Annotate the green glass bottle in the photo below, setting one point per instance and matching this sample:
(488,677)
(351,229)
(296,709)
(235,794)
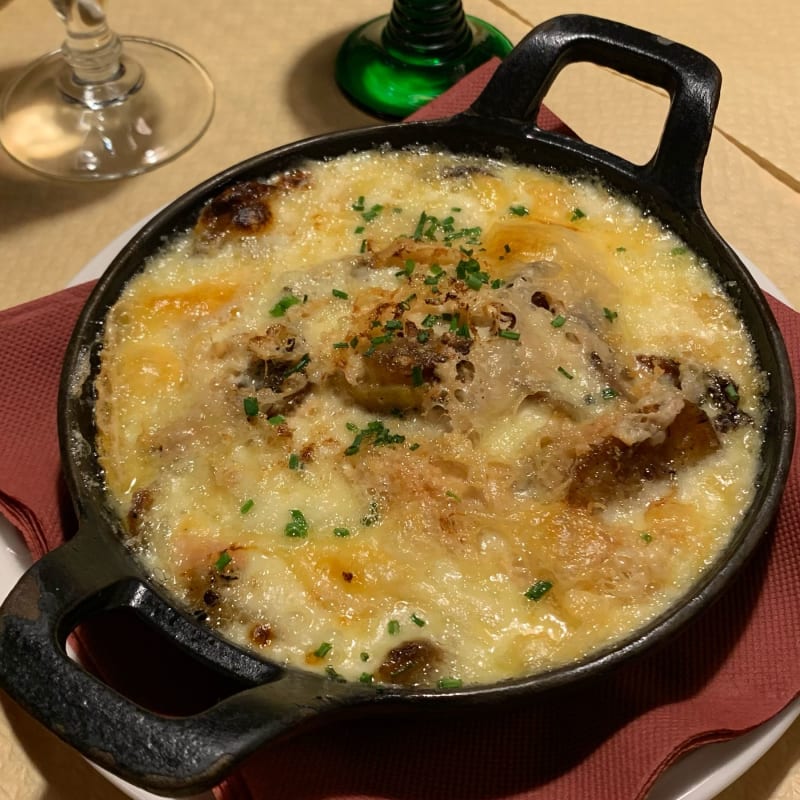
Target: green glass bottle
(394,64)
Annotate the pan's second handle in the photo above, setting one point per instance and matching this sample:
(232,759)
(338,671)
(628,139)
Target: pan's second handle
(175,755)
(693,82)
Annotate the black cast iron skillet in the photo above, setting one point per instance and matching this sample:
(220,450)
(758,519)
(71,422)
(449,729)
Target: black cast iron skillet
(93,572)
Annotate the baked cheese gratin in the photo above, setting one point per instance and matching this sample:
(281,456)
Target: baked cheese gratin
(410,417)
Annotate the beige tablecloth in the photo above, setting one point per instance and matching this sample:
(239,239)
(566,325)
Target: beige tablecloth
(271,63)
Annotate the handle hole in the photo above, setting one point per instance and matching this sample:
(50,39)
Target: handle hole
(610,110)
(144,665)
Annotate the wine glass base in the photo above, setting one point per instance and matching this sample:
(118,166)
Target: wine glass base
(160,116)
(386,86)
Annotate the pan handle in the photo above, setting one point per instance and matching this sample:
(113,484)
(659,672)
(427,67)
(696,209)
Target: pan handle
(175,755)
(692,80)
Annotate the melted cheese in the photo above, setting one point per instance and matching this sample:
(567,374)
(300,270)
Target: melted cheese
(502,418)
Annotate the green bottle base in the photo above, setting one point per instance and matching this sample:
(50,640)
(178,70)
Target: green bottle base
(390,87)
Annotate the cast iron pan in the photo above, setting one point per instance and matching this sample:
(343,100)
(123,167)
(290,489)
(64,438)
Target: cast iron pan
(93,572)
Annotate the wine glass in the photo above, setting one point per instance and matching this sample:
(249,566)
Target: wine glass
(104,106)
(392,65)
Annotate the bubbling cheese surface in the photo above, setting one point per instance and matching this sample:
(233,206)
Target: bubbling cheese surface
(420,418)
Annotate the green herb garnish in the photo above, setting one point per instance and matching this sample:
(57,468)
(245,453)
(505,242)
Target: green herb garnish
(449,683)
(340,294)
(538,590)
(566,374)
(297,528)
(294,461)
(418,621)
(286,302)
(250,405)
(609,314)
(304,361)
(223,561)
(278,419)
(341,532)
(393,628)
(576,215)
(504,333)
(323,650)
(558,321)
(246,506)
(518,211)
(376,433)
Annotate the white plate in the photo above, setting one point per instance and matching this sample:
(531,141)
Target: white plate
(701,775)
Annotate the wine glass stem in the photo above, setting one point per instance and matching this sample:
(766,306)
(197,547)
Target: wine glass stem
(426,30)
(91,48)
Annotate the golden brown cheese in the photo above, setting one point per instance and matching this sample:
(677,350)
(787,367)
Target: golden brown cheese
(413,417)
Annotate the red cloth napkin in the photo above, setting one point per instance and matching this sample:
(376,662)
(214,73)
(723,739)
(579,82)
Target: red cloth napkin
(732,669)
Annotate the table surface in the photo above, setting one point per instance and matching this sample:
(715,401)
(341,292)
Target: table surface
(272,68)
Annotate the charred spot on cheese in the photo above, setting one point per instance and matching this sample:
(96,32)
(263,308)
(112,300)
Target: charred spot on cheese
(243,209)
(403,380)
(141,503)
(411,663)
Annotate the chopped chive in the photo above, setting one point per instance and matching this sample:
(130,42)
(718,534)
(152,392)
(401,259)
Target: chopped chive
(246,506)
(609,314)
(679,251)
(294,461)
(278,419)
(364,655)
(393,628)
(609,393)
(286,302)
(393,325)
(341,345)
(449,683)
(404,305)
(507,334)
(297,528)
(304,361)
(497,283)
(565,373)
(430,320)
(341,532)
(359,204)
(621,249)
(558,321)
(223,561)
(340,294)
(334,675)
(474,281)
(732,394)
(538,590)
(418,621)
(416,376)
(576,215)
(423,336)
(365,677)
(359,229)
(250,405)
(518,211)
(363,247)
(323,650)
(646,536)
(372,212)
